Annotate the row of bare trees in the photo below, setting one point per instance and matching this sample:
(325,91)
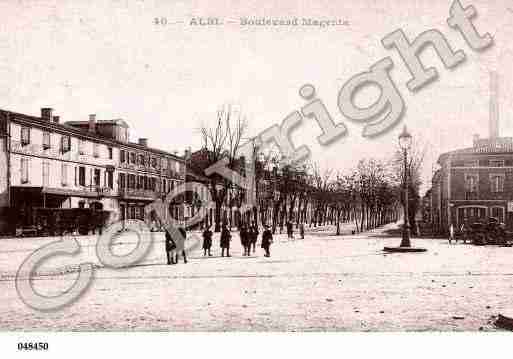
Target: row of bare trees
(370,195)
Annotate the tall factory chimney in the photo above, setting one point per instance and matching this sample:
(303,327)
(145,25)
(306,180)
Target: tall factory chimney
(494,105)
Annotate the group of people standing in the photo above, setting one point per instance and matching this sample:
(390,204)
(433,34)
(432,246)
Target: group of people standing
(248,238)
(174,247)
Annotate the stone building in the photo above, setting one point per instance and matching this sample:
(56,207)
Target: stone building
(474,183)
(80,164)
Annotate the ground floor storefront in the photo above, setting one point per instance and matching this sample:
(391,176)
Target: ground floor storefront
(481,211)
(48,211)
(458,212)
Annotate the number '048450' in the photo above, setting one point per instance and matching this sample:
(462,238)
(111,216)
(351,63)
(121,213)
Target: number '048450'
(33,346)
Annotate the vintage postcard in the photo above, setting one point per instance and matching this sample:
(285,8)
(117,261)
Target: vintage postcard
(256,166)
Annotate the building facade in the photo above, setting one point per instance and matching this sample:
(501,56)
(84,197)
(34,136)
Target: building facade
(473,184)
(80,164)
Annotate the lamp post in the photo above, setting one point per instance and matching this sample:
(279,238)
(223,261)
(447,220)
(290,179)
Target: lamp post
(405,144)
(405,141)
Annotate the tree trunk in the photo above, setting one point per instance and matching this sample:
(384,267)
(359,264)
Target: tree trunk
(217,217)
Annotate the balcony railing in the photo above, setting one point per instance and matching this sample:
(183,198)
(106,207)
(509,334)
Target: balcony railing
(138,193)
(147,168)
(87,191)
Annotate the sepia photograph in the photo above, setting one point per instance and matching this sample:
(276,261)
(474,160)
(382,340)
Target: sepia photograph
(255,167)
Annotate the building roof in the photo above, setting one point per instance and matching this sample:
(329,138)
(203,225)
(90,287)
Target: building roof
(118,122)
(69,129)
(497,146)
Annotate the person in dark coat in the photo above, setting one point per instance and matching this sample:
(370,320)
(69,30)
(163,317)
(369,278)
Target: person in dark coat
(267,239)
(226,237)
(302,230)
(289,230)
(170,248)
(244,239)
(180,245)
(253,237)
(207,241)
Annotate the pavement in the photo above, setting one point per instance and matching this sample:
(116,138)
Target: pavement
(321,283)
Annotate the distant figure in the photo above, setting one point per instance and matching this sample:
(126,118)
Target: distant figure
(170,248)
(290,230)
(180,245)
(226,237)
(463,231)
(302,230)
(267,239)
(207,241)
(244,240)
(451,233)
(253,237)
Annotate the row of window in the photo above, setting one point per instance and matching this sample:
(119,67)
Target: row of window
(132,181)
(131,212)
(146,160)
(137,212)
(66,170)
(496,182)
(128,157)
(477,163)
(65,145)
(472,213)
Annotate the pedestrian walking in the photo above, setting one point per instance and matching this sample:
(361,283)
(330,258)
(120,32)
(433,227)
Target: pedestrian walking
(170,248)
(290,231)
(267,239)
(302,230)
(180,245)
(207,241)
(226,237)
(451,233)
(244,239)
(253,237)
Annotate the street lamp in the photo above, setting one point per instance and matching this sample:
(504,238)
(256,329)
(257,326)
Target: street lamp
(405,144)
(405,141)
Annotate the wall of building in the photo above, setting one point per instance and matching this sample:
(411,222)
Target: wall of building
(4,186)
(62,167)
(450,193)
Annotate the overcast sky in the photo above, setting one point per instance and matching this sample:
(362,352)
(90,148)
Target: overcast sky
(113,60)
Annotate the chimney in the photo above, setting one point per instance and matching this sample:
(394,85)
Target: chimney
(475,139)
(46,114)
(494,105)
(143,142)
(56,119)
(92,123)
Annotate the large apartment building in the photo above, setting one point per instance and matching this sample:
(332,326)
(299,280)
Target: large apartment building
(474,183)
(80,164)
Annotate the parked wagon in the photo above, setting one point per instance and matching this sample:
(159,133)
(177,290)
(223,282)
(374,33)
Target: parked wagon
(490,233)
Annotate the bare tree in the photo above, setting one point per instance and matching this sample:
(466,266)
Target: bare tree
(321,183)
(222,141)
(416,155)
